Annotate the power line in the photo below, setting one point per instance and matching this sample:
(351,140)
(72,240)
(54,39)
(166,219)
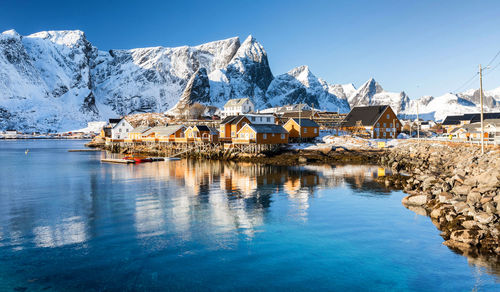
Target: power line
(498,53)
(466,83)
(492,69)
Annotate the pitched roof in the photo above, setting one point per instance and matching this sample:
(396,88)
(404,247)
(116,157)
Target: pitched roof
(202,128)
(296,114)
(213,131)
(140,129)
(477,117)
(233,119)
(495,122)
(305,122)
(268,129)
(236,101)
(451,120)
(164,130)
(114,121)
(368,115)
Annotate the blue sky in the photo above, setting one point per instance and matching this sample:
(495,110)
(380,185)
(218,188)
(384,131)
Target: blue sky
(421,47)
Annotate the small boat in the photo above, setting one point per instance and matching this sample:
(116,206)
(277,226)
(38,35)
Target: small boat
(138,159)
(171,158)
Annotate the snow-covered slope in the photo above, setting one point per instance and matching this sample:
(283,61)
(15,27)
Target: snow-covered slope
(371,93)
(299,85)
(58,81)
(45,80)
(437,108)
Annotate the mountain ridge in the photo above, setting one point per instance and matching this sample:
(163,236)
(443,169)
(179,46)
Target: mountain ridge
(57,80)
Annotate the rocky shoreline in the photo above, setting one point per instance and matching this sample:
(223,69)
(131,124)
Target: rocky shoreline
(456,186)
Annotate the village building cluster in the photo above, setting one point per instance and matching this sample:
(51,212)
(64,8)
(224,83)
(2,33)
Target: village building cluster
(239,123)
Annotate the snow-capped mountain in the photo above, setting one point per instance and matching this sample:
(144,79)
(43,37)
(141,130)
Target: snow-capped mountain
(57,81)
(299,85)
(371,93)
(437,108)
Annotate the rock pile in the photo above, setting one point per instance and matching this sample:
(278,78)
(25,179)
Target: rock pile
(457,187)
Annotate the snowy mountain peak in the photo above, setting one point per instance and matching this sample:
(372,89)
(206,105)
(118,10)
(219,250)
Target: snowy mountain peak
(11,32)
(303,75)
(69,38)
(371,93)
(251,49)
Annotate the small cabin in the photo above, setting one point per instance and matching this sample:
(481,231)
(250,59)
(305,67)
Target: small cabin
(121,129)
(261,134)
(166,133)
(231,125)
(377,122)
(302,128)
(238,106)
(136,133)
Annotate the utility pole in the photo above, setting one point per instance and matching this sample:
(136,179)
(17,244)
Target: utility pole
(394,128)
(418,125)
(300,122)
(481,101)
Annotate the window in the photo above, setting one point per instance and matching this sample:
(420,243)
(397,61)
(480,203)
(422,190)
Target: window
(315,130)
(120,130)
(264,136)
(253,119)
(388,117)
(378,125)
(305,130)
(397,125)
(233,133)
(384,125)
(268,119)
(384,134)
(282,136)
(126,130)
(251,136)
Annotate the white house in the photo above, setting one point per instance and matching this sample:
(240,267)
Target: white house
(121,129)
(267,119)
(238,106)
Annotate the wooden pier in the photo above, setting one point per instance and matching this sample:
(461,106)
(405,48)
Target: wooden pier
(85,150)
(121,161)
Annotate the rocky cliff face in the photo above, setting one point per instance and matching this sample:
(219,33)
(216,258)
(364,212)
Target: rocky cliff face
(371,93)
(299,85)
(57,80)
(197,90)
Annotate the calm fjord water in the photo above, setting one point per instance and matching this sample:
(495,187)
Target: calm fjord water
(70,223)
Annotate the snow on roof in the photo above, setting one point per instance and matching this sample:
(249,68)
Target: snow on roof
(236,101)
(164,130)
(140,129)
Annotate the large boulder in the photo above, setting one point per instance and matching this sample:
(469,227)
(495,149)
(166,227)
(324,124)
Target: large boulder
(471,237)
(417,200)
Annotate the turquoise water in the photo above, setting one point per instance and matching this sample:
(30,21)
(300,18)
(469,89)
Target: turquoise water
(70,223)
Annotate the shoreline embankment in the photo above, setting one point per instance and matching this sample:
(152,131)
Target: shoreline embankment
(456,186)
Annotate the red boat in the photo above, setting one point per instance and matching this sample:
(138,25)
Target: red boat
(138,159)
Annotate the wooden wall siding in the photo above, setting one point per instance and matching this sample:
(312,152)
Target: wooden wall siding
(307,132)
(225,131)
(387,129)
(247,135)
